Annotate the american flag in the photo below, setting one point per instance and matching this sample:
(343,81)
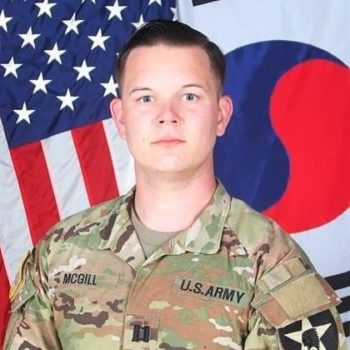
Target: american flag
(59,150)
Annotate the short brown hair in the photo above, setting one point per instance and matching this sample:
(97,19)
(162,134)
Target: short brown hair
(176,34)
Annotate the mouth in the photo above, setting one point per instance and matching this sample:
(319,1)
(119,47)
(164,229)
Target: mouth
(168,142)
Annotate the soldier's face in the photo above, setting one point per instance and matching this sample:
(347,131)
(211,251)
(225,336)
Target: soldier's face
(171,111)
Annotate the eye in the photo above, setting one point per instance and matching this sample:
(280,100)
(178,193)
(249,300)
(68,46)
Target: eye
(146,99)
(190,97)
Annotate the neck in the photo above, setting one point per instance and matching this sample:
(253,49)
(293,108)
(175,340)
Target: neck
(169,204)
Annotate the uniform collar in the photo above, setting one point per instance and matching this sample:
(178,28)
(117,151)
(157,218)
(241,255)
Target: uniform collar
(205,233)
(118,234)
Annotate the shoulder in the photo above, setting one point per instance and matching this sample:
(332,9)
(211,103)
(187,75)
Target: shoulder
(93,215)
(80,224)
(85,229)
(287,286)
(256,231)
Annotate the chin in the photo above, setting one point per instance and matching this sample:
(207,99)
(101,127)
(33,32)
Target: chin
(166,169)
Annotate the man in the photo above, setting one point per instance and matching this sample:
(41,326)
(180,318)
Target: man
(176,263)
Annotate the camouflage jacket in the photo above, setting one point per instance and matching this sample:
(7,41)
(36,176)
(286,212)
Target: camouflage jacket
(233,280)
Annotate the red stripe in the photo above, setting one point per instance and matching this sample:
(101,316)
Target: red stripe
(35,186)
(96,163)
(4,301)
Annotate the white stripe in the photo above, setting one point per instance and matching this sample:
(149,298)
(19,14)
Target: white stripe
(235,23)
(65,174)
(345,316)
(328,246)
(123,162)
(344,292)
(15,238)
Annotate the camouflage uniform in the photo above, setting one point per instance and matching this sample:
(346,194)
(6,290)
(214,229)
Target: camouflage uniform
(233,280)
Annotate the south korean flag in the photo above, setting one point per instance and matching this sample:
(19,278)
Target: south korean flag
(286,149)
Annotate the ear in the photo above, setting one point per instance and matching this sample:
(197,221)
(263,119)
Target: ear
(116,108)
(225,112)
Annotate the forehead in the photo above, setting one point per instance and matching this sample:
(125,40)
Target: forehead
(164,61)
(162,52)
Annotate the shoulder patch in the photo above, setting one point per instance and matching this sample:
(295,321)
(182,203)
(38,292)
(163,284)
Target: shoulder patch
(291,292)
(301,296)
(315,332)
(19,280)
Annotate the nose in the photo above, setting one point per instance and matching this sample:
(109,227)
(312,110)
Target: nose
(168,114)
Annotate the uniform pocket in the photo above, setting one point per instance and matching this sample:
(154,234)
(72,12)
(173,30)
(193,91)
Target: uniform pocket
(89,309)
